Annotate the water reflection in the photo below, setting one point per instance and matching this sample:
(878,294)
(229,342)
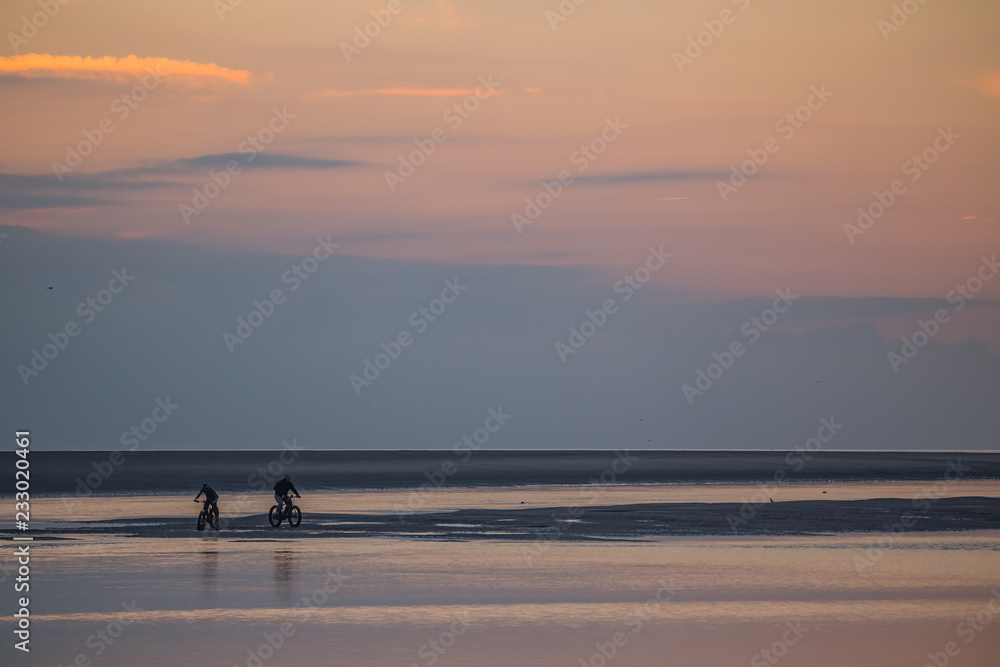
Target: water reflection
(209,570)
(284,574)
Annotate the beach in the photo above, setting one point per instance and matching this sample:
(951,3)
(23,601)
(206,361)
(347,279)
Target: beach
(576,495)
(870,559)
(643,584)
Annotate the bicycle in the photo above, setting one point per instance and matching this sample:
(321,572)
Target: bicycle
(208,516)
(292,514)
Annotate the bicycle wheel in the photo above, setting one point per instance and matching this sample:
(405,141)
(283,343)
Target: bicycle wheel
(213,521)
(294,516)
(201,520)
(274,516)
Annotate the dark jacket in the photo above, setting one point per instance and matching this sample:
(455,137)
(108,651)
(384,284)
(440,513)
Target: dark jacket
(282,488)
(210,495)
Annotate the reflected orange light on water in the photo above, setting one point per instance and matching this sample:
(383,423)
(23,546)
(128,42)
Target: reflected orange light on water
(683,601)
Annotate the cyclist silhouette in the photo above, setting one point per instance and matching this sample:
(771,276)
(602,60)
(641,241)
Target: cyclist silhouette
(211,500)
(281,490)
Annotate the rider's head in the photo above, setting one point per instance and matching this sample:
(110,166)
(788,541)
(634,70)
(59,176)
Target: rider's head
(205,485)
(288,478)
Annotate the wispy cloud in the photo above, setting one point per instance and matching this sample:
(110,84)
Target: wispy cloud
(861,308)
(260,161)
(104,180)
(41,191)
(654,176)
(17,201)
(109,67)
(418,92)
(32,191)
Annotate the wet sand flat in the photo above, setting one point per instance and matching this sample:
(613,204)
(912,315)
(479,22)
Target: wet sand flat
(615,522)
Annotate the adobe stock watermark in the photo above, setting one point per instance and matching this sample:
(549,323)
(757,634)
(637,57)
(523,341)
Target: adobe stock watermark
(630,283)
(31,25)
(223,7)
(927,329)
(121,107)
(88,310)
(463,449)
(898,17)
(786,126)
(922,502)
(562,12)
(262,310)
(915,168)
(779,649)
(581,158)
(752,329)
(420,320)
(454,116)
(437,646)
(302,610)
(633,622)
(363,35)
(104,637)
(796,459)
(262,479)
(714,28)
(590,493)
(968,630)
(220,180)
(131,439)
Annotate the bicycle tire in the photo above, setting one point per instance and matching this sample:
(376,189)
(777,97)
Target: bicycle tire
(294,516)
(274,516)
(201,520)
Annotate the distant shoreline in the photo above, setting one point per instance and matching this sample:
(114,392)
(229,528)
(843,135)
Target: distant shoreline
(157,472)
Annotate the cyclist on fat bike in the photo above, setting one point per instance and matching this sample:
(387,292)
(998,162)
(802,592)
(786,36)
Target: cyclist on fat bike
(281,490)
(211,500)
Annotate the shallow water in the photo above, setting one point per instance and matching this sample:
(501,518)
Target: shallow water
(453,498)
(209,600)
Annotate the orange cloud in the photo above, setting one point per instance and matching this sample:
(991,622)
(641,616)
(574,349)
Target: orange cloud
(430,92)
(989,86)
(445,15)
(446,11)
(86,67)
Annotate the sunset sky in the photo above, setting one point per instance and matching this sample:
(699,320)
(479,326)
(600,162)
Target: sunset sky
(645,108)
